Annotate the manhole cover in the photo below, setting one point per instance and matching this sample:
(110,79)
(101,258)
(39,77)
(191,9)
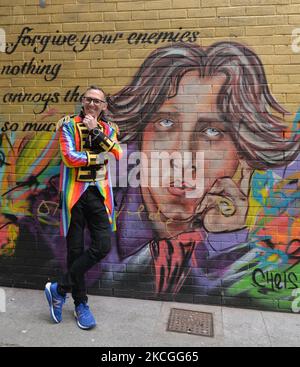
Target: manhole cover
(191,322)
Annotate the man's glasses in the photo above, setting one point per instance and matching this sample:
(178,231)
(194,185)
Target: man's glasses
(89,100)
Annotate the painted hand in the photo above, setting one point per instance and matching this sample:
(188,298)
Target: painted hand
(225,206)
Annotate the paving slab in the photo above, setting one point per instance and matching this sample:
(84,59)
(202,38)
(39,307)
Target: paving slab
(283,328)
(243,328)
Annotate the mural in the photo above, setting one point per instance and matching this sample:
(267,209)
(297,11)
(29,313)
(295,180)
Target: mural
(234,241)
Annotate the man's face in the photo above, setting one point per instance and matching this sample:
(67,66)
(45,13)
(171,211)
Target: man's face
(94,103)
(188,122)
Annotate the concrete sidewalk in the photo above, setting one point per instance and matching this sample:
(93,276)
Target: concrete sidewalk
(137,323)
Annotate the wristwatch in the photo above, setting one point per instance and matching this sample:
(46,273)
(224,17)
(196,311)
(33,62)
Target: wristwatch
(96,131)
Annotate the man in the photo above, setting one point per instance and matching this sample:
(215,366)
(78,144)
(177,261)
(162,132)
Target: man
(86,198)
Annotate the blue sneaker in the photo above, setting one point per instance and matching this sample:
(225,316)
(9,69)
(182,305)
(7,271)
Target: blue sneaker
(84,317)
(56,302)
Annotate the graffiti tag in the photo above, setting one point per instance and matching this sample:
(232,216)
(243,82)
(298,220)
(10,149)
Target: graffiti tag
(275,281)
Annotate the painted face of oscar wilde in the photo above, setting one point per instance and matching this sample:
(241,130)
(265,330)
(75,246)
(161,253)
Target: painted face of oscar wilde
(188,122)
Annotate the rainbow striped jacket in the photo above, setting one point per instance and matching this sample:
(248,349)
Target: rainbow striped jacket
(72,158)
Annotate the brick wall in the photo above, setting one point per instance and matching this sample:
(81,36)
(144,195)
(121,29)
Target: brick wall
(237,241)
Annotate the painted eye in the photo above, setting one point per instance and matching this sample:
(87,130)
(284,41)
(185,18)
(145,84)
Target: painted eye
(212,132)
(166,123)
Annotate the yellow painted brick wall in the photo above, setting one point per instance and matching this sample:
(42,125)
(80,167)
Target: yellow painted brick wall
(265,26)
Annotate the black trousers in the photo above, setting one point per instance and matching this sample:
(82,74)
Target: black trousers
(89,210)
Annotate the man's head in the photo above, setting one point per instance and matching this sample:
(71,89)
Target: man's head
(94,101)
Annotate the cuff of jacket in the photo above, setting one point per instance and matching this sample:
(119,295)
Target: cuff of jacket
(107,145)
(92,159)
(102,140)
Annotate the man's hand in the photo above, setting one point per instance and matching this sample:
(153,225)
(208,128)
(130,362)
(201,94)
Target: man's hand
(90,122)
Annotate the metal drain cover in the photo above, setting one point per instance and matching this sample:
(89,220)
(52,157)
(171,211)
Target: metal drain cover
(191,322)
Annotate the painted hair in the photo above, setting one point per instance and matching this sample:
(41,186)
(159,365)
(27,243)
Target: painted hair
(95,87)
(245,103)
